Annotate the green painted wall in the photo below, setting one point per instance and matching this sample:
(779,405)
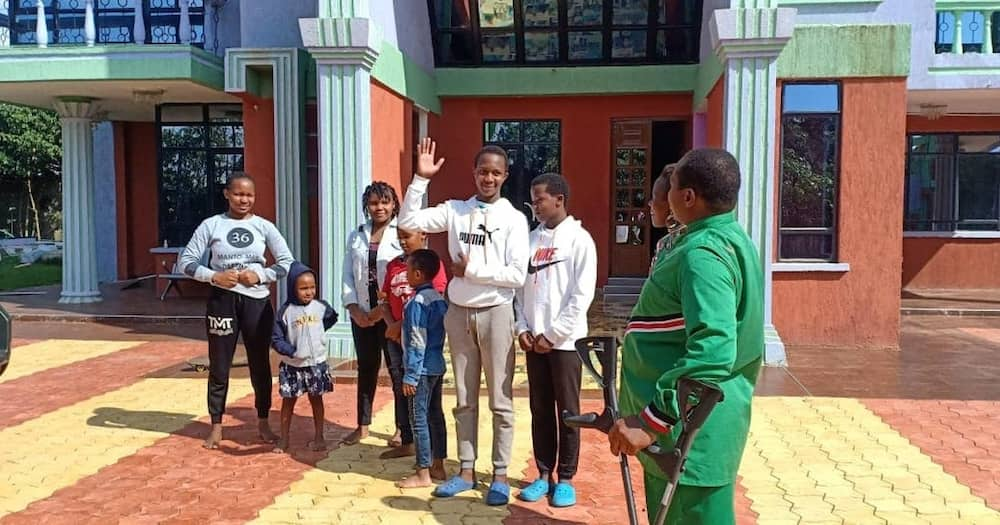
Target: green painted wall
(113,62)
(536,81)
(404,76)
(828,51)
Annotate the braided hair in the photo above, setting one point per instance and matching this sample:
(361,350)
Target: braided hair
(382,190)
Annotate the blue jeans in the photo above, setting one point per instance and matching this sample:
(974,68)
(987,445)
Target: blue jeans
(427,421)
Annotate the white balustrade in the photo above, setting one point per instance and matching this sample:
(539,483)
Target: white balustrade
(89,29)
(184,27)
(139,25)
(41,27)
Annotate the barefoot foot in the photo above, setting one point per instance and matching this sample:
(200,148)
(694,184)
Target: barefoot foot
(395,441)
(399,452)
(415,481)
(214,437)
(356,436)
(438,473)
(281,447)
(317,445)
(265,433)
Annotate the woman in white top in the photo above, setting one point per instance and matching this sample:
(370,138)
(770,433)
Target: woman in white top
(370,248)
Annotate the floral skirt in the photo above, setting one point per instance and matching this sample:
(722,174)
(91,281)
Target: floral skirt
(294,381)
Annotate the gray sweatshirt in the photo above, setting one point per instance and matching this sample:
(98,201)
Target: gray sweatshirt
(237,244)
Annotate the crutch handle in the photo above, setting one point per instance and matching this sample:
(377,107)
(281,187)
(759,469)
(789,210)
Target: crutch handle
(603,421)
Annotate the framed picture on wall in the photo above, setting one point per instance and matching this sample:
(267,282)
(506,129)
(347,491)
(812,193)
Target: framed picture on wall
(628,44)
(585,12)
(541,13)
(630,12)
(541,46)
(499,47)
(585,45)
(496,13)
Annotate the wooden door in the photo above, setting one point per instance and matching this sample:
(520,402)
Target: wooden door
(630,193)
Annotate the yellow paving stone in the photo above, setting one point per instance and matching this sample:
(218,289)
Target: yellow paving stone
(354,482)
(901,518)
(38,459)
(36,357)
(777,515)
(839,450)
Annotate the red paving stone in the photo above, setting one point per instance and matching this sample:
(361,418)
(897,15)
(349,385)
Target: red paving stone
(961,436)
(31,396)
(175,481)
(17,341)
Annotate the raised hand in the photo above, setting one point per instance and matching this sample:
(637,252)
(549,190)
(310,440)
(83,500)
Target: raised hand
(426,166)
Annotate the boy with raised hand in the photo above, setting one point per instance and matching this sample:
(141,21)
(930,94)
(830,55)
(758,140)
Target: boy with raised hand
(488,244)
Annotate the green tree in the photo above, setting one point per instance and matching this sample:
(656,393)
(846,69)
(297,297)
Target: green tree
(30,151)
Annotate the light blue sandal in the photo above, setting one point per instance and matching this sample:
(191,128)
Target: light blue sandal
(564,495)
(452,487)
(534,492)
(499,494)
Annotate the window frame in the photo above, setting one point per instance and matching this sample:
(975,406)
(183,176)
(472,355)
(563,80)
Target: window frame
(954,155)
(205,147)
(607,29)
(521,143)
(834,229)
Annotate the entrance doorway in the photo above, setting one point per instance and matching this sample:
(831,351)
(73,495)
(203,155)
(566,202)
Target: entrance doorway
(640,150)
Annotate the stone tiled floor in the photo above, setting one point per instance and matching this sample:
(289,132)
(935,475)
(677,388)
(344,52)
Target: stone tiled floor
(102,425)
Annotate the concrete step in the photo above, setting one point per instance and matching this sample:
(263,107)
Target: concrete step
(613,290)
(626,281)
(622,298)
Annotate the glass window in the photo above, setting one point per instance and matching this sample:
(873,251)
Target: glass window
(539,32)
(200,147)
(810,148)
(533,147)
(952,182)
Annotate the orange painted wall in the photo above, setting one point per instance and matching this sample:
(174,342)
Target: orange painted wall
(258,151)
(136,179)
(930,263)
(860,307)
(586,147)
(714,132)
(392,148)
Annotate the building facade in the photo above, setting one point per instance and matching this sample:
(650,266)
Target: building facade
(868,131)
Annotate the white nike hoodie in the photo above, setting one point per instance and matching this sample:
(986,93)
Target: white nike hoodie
(493,236)
(562,276)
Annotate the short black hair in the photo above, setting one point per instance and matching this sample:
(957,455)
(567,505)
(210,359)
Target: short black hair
(425,261)
(382,190)
(491,149)
(238,175)
(555,185)
(665,175)
(714,174)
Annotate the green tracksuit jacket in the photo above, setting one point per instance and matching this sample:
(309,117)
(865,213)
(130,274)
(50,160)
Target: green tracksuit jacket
(701,315)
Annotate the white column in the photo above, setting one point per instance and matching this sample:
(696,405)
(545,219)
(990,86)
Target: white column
(79,272)
(345,51)
(41,26)
(748,42)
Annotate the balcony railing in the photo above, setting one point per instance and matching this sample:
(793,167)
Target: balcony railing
(89,22)
(967,26)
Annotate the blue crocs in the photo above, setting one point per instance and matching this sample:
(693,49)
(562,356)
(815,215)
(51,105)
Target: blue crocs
(453,486)
(499,494)
(534,492)
(564,495)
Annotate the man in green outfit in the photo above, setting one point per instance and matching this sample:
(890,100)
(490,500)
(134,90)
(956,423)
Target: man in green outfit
(700,315)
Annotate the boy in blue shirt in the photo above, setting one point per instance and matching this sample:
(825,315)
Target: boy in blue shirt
(423,359)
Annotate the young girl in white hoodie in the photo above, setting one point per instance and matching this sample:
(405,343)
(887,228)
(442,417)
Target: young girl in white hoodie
(551,312)
(488,244)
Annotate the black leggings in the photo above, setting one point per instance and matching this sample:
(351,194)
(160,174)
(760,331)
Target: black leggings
(369,344)
(228,315)
(554,386)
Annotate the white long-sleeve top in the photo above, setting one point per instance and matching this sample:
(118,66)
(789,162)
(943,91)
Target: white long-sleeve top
(354,284)
(237,244)
(494,236)
(562,276)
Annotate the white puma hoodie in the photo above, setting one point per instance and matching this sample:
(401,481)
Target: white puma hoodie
(493,236)
(562,276)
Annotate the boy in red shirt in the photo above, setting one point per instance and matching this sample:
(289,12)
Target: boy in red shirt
(396,291)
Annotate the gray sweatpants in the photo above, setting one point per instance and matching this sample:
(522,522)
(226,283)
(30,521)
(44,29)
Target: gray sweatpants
(483,339)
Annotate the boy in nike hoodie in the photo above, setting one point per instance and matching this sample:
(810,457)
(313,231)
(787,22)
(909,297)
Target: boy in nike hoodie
(488,243)
(551,312)
(298,339)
